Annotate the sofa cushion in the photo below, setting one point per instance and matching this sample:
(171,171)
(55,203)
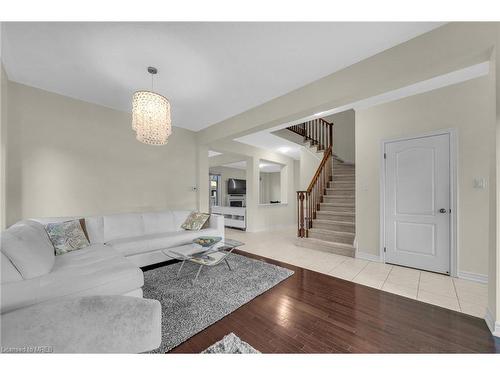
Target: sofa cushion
(29,249)
(95,229)
(49,220)
(67,236)
(9,273)
(122,226)
(159,222)
(158,241)
(95,270)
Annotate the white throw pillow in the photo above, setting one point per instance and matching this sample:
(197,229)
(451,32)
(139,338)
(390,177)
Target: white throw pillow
(29,249)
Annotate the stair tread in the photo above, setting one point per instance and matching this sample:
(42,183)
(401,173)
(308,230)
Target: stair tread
(340,213)
(332,232)
(338,204)
(333,190)
(325,221)
(339,196)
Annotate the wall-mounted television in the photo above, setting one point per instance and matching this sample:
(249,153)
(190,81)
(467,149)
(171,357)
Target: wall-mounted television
(235,186)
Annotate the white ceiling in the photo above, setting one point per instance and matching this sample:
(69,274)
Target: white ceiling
(266,140)
(210,71)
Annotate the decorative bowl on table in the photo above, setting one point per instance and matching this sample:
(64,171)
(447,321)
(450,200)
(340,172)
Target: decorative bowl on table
(207,241)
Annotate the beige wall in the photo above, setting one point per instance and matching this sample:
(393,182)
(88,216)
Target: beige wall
(344,135)
(270,187)
(68,157)
(227,173)
(463,107)
(3,143)
(309,162)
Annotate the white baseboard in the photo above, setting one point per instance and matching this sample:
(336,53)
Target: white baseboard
(477,277)
(367,256)
(493,325)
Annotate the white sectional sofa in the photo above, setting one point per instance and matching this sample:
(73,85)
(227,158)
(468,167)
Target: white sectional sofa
(119,245)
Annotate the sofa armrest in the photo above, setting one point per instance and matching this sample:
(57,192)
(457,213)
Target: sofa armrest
(217,223)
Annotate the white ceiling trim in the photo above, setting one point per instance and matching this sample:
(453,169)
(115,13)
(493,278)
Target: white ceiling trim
(264,166)
(237,165)
(212,153)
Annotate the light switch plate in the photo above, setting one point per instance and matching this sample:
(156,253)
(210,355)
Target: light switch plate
(479,183)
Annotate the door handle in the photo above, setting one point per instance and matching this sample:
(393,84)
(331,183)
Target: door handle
(442,210)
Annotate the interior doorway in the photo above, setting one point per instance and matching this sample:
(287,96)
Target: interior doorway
(215,193)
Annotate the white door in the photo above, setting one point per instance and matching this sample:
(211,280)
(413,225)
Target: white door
(417,203)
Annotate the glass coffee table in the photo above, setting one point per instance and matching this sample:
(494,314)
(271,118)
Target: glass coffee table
(204,256)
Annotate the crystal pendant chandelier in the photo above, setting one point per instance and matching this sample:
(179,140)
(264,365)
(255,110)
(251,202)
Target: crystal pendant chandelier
(151,115)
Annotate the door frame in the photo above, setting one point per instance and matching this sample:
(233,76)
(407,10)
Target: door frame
(453,134)
(219,188)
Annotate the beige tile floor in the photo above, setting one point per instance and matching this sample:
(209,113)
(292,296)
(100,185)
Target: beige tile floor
(456,294)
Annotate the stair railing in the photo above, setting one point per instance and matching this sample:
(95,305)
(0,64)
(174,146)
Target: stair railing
(308,201)
(318,131)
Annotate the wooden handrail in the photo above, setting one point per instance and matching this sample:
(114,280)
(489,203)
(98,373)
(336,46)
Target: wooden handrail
(320,133)
(325,122)
(326,156)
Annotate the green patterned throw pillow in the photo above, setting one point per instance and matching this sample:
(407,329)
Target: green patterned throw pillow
(67,236)
(195,221)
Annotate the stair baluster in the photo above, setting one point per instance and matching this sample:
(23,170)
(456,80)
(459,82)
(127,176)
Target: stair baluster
(320,134)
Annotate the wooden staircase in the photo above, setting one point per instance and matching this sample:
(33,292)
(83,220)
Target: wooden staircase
(326,210)
(333,229)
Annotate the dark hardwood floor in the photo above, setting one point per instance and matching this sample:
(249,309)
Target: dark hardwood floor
(315,313)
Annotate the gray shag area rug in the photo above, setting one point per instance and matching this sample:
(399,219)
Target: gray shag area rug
(188,308)
(231,344)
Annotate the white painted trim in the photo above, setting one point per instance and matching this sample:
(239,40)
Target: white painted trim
(368,256)
(493,325)
(453,134)
(477,277)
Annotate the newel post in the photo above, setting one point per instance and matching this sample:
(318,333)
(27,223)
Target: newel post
(300,214)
